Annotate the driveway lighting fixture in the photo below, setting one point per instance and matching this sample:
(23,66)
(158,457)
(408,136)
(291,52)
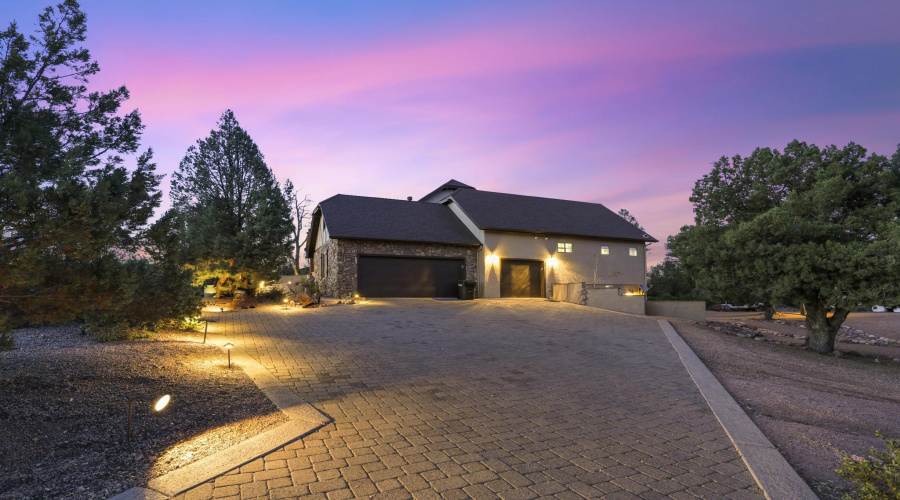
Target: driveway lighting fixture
(205,329)
(228,348)
(158,405)
(284,304)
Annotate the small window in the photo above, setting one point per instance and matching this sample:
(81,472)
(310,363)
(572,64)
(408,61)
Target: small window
(632,252)
(604,250)
(564,247)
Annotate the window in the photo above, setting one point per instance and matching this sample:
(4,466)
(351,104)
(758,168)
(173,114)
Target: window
(604,250)
(632,252)
(564,247)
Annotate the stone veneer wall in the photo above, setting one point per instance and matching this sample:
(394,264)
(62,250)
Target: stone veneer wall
(340,280)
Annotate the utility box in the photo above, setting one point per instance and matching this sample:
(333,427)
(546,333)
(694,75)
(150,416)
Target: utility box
(467,289)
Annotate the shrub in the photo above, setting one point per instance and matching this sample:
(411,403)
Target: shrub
(876,477)
(272,294)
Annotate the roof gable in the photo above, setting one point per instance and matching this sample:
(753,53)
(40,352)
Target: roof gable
(532,214)
(444,190)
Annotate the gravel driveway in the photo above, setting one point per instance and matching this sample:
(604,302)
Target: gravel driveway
(480,399)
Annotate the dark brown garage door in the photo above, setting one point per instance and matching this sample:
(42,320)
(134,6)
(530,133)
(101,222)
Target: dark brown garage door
(521,278)
(409,277)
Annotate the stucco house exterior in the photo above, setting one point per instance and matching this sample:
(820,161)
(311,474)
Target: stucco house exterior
(511,245)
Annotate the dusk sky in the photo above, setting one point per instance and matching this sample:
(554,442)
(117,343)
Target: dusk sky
(621,103)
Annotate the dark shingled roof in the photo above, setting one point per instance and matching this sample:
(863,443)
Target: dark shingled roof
(530,214)
(364,218)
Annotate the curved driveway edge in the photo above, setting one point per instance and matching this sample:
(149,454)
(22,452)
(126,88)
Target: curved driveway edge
(304,419)
(774,475)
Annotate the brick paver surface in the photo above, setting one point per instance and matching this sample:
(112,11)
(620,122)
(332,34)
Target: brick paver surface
(482,399)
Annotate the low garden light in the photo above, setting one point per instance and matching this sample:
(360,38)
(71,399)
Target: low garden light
(205,329)
(355,295)
(284,304)
(228,348)
(159,404)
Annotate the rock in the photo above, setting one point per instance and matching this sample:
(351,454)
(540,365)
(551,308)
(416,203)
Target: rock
(838,354)
(304,299)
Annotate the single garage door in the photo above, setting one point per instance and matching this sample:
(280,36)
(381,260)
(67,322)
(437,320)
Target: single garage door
(521,278)
(409,276)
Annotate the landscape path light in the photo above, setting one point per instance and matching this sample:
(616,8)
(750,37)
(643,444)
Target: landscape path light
(228,348)
(284,304)
(158,405)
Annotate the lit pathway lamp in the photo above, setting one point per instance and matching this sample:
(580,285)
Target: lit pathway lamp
(284,305)
(205,329)
(158,405)
(228,348)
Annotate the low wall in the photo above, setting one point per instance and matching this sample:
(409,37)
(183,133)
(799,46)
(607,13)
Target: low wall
(601,298)
(687,309)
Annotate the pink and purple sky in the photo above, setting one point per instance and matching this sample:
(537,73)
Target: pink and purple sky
(621,103)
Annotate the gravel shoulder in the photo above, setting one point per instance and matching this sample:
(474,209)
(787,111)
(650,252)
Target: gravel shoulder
(64,409)
(814,408)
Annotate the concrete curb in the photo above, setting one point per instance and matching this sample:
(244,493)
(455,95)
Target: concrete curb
(304,419)
(778,480)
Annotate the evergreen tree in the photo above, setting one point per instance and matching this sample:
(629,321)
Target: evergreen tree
(810,226)
(236,221)
(70,210)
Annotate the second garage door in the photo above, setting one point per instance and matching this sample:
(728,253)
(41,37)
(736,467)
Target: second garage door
(409,276)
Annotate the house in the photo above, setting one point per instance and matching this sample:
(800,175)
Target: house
(511,245)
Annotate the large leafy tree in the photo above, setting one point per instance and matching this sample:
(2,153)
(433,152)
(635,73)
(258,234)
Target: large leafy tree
(235,219)
(70,211)
(818,227)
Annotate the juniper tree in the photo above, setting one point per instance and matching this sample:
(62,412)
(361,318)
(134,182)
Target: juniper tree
(236,221)
(70,210)
(810,226)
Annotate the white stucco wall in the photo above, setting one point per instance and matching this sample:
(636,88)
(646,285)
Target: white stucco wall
(579,265)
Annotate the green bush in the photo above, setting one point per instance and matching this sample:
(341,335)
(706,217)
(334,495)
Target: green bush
(876,477)
(272,294)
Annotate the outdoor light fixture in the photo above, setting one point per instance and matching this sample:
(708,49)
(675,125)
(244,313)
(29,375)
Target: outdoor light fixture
(552,261)
(158,405)
(284,304)
(355,295)
(205,329)
(494,259)
(228,348)
(262,284)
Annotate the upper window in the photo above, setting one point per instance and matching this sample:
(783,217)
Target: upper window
(632,252)
(604,250)
(564,247)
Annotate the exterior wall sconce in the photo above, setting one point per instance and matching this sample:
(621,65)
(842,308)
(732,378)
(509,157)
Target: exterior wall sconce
(228,347)
(493,259)
(552,261)
(158,405)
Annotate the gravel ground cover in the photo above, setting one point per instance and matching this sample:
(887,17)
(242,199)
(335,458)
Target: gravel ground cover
(814,408)
(64,409)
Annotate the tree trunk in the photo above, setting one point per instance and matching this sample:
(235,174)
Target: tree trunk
(822,329)
(769,310)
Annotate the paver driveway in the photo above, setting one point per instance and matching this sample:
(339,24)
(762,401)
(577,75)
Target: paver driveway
(483,399)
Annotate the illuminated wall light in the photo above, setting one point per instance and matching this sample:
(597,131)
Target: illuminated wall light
(552,261)
(493,259)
